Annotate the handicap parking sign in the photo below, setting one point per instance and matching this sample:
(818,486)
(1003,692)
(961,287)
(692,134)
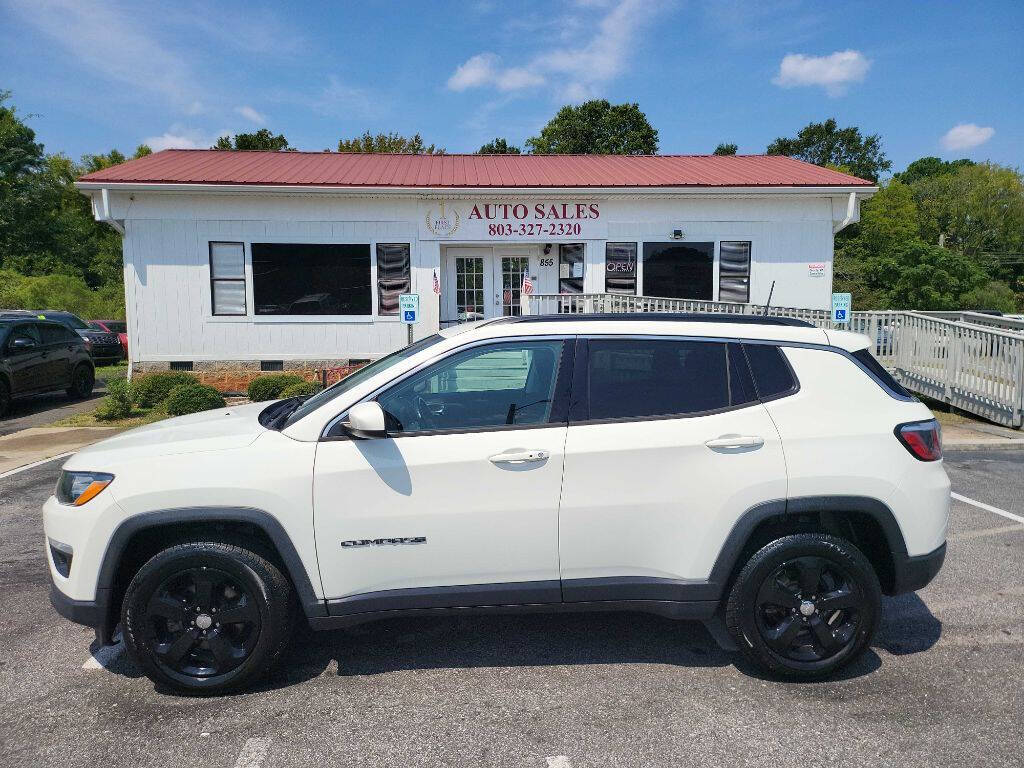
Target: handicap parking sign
(841,303)
(409,308)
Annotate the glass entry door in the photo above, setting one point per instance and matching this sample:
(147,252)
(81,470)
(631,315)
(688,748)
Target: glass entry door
(482,283)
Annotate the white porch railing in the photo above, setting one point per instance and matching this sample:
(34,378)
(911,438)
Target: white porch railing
(966,360)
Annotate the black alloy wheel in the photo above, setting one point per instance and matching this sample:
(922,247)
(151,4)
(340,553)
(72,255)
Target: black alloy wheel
(82,382)
(201,623)
(5,399)
(207,617)
(804,606)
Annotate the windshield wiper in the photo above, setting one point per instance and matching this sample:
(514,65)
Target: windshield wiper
(288,407)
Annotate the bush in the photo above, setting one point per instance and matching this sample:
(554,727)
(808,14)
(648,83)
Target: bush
(301,389)
(153,388)
(192,398)
(271,387)
(118,402)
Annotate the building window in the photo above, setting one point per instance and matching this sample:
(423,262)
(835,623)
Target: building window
(679,270)
(393,276)
(620,268)
(570,268)
(227,278)
(734,271)
(311,279)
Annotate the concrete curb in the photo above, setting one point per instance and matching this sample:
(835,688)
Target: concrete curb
(1009,445)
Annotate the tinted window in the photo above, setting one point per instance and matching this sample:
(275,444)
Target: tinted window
(311,279)
(23,332)
(679,270)
(772,375)
(868,361)
(393,276)
(55,334)
(630,378)
(496,385)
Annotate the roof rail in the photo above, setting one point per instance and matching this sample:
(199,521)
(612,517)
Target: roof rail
(656,317)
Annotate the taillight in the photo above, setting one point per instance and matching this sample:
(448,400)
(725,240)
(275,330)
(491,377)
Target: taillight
(922,438)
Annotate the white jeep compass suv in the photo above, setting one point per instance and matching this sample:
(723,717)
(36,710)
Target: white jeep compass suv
(684,465)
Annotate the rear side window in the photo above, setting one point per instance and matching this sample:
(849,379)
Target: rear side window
(868,360)
(637,378)
(772,375)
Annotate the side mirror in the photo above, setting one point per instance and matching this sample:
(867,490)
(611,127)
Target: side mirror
(22,343)
(365,421)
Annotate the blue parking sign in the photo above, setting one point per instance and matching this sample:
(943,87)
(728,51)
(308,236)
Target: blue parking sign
(841,304)
(409,308)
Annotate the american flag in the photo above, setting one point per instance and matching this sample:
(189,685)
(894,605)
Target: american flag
(437,284)
(527,284)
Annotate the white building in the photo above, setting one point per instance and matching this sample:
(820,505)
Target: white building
(241,261)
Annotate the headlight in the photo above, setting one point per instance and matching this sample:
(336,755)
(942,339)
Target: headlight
(76,488)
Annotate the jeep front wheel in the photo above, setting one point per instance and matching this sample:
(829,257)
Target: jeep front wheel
(206,617)
(804,606)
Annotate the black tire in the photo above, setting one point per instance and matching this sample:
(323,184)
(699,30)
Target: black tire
(777,611)
(170,620)
(83,379)
(5,398)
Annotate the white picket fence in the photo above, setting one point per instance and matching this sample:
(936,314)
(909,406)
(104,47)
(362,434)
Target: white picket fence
(973,361)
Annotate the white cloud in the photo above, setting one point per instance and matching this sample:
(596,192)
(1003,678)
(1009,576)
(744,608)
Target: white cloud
(578,72)
(966,136)
(834,72)
(181,137)
(251,114)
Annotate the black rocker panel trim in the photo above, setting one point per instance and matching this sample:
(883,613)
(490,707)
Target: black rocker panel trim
(461,596)
(635,588)
(266,522)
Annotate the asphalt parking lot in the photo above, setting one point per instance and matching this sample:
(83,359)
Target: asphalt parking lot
(943,684)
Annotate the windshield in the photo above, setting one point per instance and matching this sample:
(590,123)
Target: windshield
(357,377)
(70,320)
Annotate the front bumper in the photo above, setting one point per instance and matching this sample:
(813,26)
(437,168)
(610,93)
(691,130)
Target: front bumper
(107,352)
(911,573)
(91,613)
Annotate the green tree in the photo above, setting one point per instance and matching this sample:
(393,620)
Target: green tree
(992,295)
(929,167)
(928,277)
(726,149)
(93,163)
(827,144)
(393,143)
(262,139)
(596,128)
(498,147)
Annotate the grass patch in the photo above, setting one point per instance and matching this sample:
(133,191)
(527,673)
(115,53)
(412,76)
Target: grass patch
(108,372)
(136,418)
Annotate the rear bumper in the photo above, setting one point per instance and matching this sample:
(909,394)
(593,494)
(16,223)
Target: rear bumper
(91,613)
(913,573)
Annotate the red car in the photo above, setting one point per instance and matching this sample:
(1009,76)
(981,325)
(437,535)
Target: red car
(120,327)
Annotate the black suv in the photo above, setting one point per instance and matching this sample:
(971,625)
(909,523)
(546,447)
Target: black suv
(105,346)
(39,356)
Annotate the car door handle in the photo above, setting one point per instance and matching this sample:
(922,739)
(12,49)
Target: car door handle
(520,457)
(735,441)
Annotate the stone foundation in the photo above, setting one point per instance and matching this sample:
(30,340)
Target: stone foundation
(234,376)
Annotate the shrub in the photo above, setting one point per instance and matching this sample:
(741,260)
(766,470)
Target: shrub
(192,398)
(301,389)
(153,388)
(271,387)
(118,402)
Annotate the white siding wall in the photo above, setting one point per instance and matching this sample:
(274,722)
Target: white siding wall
(167,263)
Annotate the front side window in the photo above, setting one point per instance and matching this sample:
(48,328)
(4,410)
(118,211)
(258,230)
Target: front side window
(227,278)
(311,279)
(734,271)
(55,334)
(679,270)
(492,386)
(637,378)
(393,276)
(24,333)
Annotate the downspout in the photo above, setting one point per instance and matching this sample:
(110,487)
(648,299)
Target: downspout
(105,216)
(851,212)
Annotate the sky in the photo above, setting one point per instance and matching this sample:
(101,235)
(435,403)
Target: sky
(931,77)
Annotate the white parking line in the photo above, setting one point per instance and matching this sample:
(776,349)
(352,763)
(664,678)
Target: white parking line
(34,464)
(988,508)
(559,761)
(253,753)
(104,657)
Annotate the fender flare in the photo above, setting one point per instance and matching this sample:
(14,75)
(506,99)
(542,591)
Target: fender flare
(741,532)
(296,570)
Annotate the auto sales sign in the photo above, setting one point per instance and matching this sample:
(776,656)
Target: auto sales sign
(512,220)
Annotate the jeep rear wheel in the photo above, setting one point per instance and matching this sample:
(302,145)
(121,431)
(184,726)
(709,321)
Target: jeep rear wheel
(804,606)
(206,617)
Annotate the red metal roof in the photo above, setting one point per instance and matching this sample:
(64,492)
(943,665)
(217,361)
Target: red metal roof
(205,166)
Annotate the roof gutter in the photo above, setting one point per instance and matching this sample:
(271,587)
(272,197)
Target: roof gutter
(102,213)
